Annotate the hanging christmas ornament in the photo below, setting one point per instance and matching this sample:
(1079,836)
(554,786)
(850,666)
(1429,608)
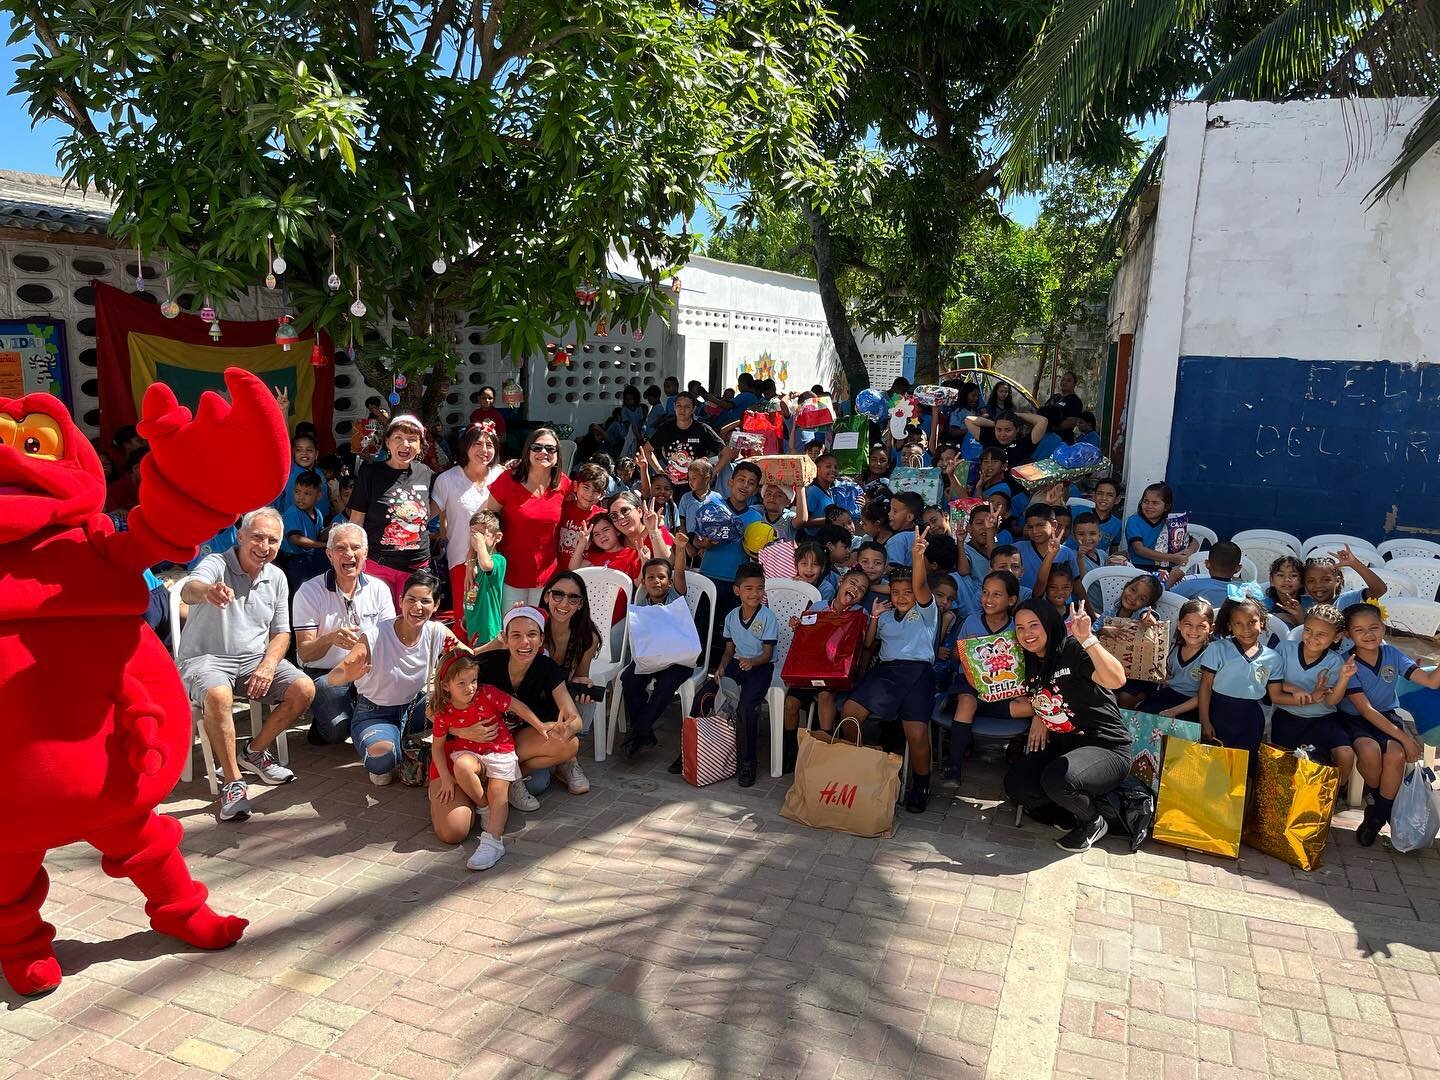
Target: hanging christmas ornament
(438,266)
(270,281)
(139,271)
(215,330)
(601,329)
(333,281)
(624,329)
(639,334)
(358,307)
(401,382)
(169,308)
(675,286)
(279,265)
(285,334)
(207,311)
(394,398)
(511,394)
(586,294)
(317,357)
(269,258)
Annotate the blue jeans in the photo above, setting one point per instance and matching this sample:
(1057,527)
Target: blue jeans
(384,723)
(332,708)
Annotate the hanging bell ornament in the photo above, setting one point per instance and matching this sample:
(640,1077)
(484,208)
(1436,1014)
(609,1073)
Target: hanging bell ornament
(317,358)
(169,309)
(639,334)
(215,330)
(285,334)
(279,264)
(358,309)
(438,266)
(333,282)
(207,312)
(401,382)
(270,281)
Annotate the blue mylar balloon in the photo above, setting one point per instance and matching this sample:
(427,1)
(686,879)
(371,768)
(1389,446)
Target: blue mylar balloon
(872,404)
(1423,704)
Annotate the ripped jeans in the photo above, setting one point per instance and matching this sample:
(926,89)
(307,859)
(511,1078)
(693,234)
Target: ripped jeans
(371,724)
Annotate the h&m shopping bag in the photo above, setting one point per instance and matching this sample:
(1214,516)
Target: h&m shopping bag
(1202,797)
(842,785)
(994,665)
(1147,742)
(1140,647)
(825,651)
(1294,798)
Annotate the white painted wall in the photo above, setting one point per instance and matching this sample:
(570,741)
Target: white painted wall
(1264,246)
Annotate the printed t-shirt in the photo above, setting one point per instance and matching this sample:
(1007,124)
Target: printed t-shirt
(1072,702)
(396,507)
(572,526)
(537,684)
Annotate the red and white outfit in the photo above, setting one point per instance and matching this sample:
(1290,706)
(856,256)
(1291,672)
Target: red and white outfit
(572,528)
(497,757)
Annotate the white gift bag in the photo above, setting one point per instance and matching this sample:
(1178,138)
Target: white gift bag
(662,635)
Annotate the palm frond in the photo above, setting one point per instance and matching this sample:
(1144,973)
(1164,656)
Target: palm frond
(1086,49)
(1393,56)
(1148,174)
(1422,138)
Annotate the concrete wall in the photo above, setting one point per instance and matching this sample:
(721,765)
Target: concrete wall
(1281,375)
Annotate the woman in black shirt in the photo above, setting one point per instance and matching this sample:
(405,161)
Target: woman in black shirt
(1078,748)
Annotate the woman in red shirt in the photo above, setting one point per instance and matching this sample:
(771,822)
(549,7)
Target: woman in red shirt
(530,499)
(638,523)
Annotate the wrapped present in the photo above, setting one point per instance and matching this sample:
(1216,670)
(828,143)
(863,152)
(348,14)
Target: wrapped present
(1141,647)
(1174,535)
(929,484)
(716,523)
(747,443)
(826,650)
(846,495)
(1147,742)
(770,426)
(1039,474)
(1079,456)
(787,470)
(994,665)
(960,514)
(1202,797)
(850,443)
(1294,799)
(842,785)
(815,413)
(936,395)
(778,558)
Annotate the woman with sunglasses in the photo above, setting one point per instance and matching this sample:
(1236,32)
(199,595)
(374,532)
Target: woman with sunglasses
(638,522)
(570,634)
(530,499)
(456,495)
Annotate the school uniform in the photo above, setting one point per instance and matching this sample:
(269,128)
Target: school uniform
(749,638)
(1030,561)
(1137,528)
(817,501)
(975,626)
(1111,529)
(900,548)
(1318,724)
(1182,682)
(901,685)
(301,564)
(1378,683)
(1241,683)
(1213,589)
(1341,601)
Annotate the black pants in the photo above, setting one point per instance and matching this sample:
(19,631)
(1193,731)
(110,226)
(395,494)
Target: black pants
(644,709)
(753,686)
(1066,774)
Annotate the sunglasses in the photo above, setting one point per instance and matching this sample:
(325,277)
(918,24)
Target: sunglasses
(568,597)
(539,449)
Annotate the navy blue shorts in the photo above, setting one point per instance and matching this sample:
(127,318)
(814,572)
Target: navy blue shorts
(1357,727)
(1239,723)
(1157,701)
(898,690)
(1326,733)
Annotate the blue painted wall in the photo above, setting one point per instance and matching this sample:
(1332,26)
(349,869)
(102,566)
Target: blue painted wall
(1306,446)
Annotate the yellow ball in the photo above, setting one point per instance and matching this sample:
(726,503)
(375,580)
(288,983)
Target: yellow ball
(757,535)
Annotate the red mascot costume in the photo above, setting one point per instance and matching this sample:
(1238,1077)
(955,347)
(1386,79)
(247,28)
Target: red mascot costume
(95,718)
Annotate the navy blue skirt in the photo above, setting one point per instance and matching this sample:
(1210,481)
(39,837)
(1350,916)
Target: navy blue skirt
(1164,698)
(1325,733)
(1239,723)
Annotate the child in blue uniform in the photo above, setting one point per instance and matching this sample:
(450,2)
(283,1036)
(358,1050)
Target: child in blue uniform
(1287,581)
(751,632)
(1235,673)
(1142,531)
(998,600)
(849,596)
(1038,552)
(1179,695)
(1112,525)
(1313,680)
(901,685)
(1377,734)
(1324,581)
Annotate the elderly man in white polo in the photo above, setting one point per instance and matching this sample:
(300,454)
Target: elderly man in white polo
(331,611)
(234,642)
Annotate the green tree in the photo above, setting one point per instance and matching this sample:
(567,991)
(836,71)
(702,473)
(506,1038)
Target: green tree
(770,236)
(517,140)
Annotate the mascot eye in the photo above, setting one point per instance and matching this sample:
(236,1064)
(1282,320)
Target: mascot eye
(32,445)
(40,436)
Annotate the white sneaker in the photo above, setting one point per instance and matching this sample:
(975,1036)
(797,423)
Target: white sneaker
(380,779)
(521,799)
(487,853)
(569,774)
(263,764)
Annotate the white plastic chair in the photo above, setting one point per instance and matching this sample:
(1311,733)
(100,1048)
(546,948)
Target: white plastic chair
(1409,615)
(1272,537)
(1423,573)
(1111,580)
(1262,555)
(1276,630)
(1195,566)
(1207,537)
(602,585)
(1329,543)
(567,456)
(1409,549)
(1167,608)
(197,715)
(787,599)
(1396,583)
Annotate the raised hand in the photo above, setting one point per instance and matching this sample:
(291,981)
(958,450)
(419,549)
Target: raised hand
(282,399)
(1348,669)
(219,595)
(1346,557)
(1080,622)
(649,516)
(917,549)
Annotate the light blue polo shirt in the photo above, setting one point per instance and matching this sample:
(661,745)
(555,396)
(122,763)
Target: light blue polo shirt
(1137,528)
(910,636)
(1342,601)
(749,638)
(1183,676)
(900,548)
(974,626)
(1302,676)
(1237,675)
(1030,561)
(719,563)
(1212,589)
(817,501)
(1380,683)
(1111,529)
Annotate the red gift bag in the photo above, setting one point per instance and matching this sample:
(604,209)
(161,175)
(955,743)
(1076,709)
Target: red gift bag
(826,650)
(768,425)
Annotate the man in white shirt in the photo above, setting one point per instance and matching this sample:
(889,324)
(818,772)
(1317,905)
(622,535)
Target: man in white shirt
(331,610)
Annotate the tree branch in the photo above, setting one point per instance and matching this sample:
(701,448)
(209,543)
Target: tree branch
(364,28)
(487,28)
(436,30)
(76,115)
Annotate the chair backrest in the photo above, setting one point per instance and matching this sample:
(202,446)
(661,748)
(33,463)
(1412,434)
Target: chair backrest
(1424,573)
(1397,583)
(1262,554)
(1329,543)
(1277,630)
(175,618)
(1412,616)
(1079,505)
(1111,580)
(1207,537)
(697,585)
(1409,548)
(788,600)
(1168,606)
(1272,537)
(602,585)
(567,455)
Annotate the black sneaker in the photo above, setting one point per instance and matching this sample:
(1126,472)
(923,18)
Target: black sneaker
(1083,837)
(918,797)
(745,774)
(1368,830)
(677,766)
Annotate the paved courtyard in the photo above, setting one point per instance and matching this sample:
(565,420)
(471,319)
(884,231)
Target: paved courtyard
(649,929)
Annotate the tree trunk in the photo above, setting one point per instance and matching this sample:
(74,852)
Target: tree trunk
(927,347)
(837,317)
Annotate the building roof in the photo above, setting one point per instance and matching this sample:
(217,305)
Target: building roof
(48,203)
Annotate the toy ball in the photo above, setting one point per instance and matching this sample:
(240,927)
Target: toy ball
(871,404)
(757,535)
(717,524)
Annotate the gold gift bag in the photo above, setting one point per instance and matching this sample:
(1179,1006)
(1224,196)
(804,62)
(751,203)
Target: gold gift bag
(1202,797)
(1294,798)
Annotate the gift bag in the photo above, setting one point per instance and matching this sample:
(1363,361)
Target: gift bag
(707,749)
(994,665)
(825,651)
(716,522)
(850,443)
(770,426)
(1413,818)
(842,785)
(1147,742)
(1141,647)
(815,413)
(1294,798)
(846,495)
(778,559)
(787,470)
(1174,536)
(747,443)
(662,635)
(1202,797)
(929,484)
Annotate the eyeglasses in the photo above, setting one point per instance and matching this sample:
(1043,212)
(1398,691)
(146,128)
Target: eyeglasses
(568,597)
(539,449)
